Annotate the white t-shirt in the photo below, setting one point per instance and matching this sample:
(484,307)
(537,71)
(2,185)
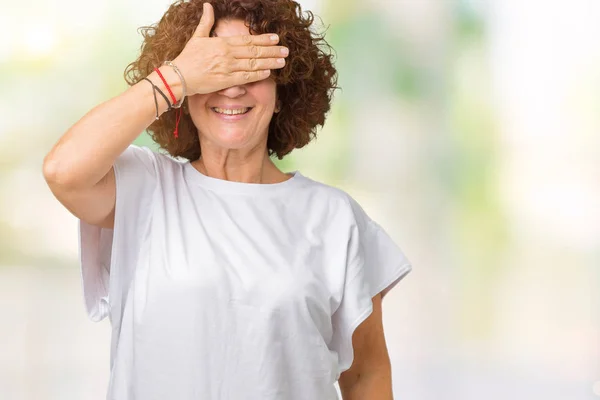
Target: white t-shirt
(221,290)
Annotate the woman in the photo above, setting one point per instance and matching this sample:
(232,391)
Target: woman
(224,277)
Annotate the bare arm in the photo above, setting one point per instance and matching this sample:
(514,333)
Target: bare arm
(370,376)
(86,152)
(79,170)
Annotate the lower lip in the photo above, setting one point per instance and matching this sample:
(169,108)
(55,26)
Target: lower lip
(234,117)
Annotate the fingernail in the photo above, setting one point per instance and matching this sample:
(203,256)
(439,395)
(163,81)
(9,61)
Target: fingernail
(285,51)
(274,37)
(280,60)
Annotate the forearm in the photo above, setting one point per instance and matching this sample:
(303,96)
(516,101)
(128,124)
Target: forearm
(376,385)
(87,151)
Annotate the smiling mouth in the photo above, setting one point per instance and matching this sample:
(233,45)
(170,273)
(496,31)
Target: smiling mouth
(237,111)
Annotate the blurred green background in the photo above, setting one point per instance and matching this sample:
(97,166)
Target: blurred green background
(468,129)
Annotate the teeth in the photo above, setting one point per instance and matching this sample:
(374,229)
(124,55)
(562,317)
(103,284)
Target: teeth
(231,111)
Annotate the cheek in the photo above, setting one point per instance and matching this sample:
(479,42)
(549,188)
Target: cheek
(196,106)
(265,92)
(197,101)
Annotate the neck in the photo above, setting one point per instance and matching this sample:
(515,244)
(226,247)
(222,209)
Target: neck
(255,167)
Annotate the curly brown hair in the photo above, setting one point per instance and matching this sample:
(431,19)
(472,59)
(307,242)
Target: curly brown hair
(305,85)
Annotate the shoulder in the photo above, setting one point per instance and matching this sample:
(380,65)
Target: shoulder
(339,199)
(144,158)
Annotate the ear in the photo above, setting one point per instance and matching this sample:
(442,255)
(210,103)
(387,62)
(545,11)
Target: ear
(277,107)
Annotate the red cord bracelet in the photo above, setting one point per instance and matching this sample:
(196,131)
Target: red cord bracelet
(166,84)
(176,132)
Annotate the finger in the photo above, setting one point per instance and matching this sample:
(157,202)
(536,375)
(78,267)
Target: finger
(267,39)
(257,64)
(256,51)
(206,21)
(242,77)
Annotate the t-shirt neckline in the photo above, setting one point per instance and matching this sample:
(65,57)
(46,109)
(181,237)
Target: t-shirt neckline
(222,185)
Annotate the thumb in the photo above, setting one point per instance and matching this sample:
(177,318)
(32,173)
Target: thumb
(206,21)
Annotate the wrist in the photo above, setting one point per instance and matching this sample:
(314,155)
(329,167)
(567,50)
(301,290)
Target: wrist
(173,81)
(181,80)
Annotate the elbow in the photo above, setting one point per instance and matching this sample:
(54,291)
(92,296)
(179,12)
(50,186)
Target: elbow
(57,174)
(50,170)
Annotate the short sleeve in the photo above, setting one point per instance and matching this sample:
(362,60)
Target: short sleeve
(106,255)
(375,264)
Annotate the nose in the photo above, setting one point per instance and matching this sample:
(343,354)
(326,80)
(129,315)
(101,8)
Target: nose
(233,91)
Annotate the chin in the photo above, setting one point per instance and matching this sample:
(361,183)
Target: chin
(233,138)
